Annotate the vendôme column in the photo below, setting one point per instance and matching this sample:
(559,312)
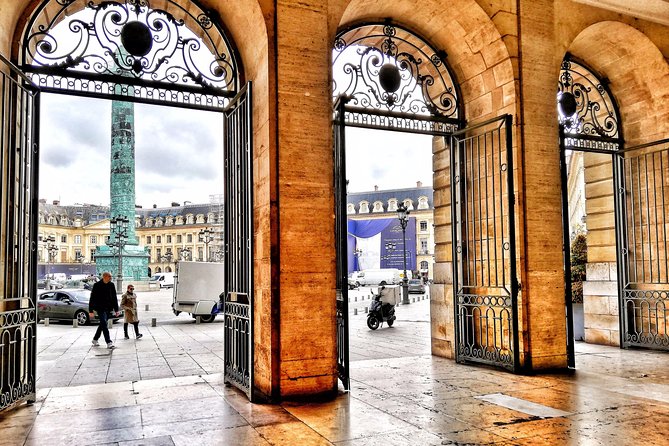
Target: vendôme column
(135,259)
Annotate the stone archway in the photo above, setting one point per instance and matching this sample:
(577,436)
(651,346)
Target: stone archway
(638,77)
(484,72)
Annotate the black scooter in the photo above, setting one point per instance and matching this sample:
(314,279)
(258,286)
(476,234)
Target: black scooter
(380,312)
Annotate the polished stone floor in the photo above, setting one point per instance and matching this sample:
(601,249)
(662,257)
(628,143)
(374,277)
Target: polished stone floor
(400,396)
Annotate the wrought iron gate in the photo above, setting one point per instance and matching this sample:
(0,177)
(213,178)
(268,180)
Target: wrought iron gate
(18,229)
(641,179)
(484,251)
(341,240)
(238,240)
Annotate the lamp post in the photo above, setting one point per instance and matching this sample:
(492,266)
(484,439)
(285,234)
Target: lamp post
(206,235)
(403,217)
(184,253)
(80,259)
(119,228)
(167,257)
(51,250)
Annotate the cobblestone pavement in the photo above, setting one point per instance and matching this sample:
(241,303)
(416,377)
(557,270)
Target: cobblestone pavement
(166,389)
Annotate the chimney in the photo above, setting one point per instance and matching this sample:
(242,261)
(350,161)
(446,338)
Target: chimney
(175,204)
(376,188)
(155,206)
(56,202)
(419,184)
(138,206)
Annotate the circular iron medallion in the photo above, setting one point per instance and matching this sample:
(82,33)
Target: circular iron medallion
(136,38)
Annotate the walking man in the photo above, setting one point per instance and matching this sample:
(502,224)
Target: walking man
(129,305)
(103,302)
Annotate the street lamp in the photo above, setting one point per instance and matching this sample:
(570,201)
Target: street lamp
(206,235)
(51,249)
(80,259)
(167,257)
(119,227)
(403,217)
(184,253)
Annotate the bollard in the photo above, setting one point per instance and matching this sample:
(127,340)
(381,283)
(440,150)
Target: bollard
(153,321)
(413,300)
(146,307)
(46,322)
(198,320)
(110,324)
(365,309)
(355,312)
(356,298)
(75,323)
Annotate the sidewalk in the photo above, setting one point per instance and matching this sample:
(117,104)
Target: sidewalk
(400,396)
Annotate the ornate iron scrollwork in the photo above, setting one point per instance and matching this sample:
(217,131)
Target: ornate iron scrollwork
(129,42)
(586,108)
(384,67)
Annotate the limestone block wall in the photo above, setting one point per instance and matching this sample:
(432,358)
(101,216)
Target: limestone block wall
(600,304)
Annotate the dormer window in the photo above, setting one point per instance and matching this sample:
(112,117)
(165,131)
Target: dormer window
(378,206)
(169,220)
(180,220)
(189,219)
(364,207)
(422,203)
(350,209)
(199,219)
(159,222)
(392,205)
(408,203)
(211,218)
(148,222)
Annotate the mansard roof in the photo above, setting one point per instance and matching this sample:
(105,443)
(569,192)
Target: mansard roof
(412,193)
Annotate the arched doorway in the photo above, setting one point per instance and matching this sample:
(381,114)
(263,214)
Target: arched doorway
(392,79)
(174,54)
(633,207)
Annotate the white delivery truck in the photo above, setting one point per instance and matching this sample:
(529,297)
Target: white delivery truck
(197,289)
(383,276)
(165,280)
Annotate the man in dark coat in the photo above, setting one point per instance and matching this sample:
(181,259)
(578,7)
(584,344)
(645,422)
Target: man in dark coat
(103,302)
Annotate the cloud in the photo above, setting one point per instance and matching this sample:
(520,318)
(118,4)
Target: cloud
(178,152)
(389,160)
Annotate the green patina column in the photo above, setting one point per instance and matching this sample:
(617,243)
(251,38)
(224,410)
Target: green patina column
(135,259)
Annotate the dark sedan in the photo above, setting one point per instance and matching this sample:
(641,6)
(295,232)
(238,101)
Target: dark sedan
(66,304)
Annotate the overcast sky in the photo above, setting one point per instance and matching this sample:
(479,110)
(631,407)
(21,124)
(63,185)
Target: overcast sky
(179,154)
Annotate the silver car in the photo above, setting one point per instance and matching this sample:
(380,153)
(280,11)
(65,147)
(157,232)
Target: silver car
(65,304)
(416,286)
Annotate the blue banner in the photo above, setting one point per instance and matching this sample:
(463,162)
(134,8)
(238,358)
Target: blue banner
(392,245)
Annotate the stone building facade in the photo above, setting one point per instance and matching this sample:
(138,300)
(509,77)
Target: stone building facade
(505,57)
(169,233)
(383,204)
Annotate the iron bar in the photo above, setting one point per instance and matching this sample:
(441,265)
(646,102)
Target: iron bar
(566,250)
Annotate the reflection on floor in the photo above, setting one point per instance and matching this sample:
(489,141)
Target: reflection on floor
(616,397)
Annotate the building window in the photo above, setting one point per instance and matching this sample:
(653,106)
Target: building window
(179,238)
(107,239)
(350,208)
(423,265)
(200,254)
(159,239)
(189,238)
(77,255)
(63,239)
(148,239)
(423,226)
(92,255)
(77,240)
(364,207)
(159,253)
(94,239)
(169,239)
(423,246)
(63,256)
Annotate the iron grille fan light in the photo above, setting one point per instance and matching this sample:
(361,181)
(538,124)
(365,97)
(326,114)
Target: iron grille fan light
(385,67)
(91,47)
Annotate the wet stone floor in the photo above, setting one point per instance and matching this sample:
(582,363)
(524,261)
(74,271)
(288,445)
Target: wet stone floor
(400,395)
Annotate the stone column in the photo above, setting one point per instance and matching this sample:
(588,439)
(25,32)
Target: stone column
(122,174)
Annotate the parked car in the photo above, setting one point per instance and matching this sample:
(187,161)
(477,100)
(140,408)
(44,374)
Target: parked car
(416,286)
(66,304)
(353,281)
(42,284)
